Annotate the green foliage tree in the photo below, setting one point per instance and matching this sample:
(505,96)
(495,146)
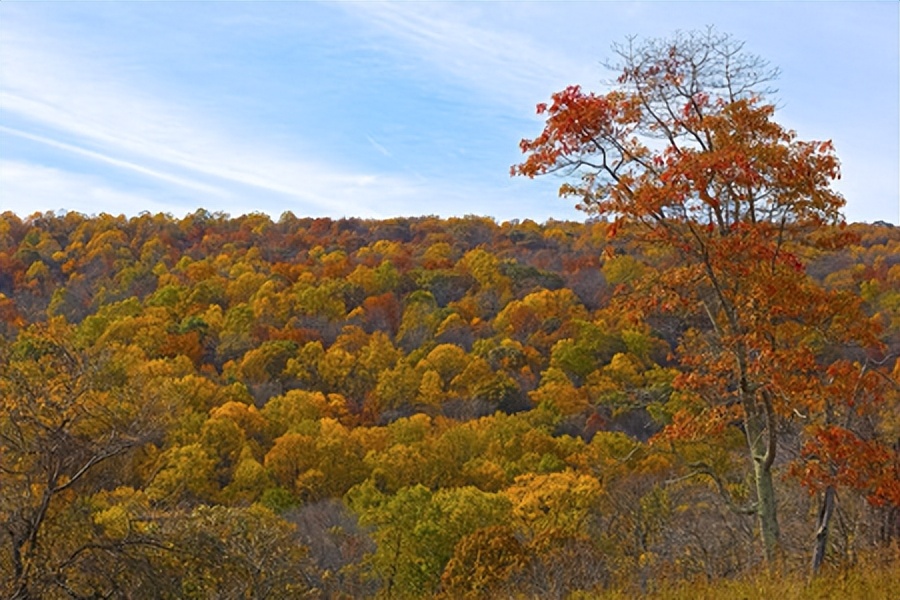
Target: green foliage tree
(417,531)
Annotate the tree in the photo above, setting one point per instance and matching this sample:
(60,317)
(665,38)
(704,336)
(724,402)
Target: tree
(685,153)
(841,450)
(416,531)
(239,553)
(65,413)
(482,561)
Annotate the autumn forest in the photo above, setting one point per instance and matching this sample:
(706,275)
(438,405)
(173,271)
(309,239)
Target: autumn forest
(699,383)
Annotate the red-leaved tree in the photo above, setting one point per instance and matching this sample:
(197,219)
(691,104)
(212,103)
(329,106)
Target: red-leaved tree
(684,151)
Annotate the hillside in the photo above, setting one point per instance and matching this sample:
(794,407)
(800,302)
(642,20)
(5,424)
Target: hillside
(239,407)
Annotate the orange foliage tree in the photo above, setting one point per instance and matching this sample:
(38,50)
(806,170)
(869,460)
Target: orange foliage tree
(685,152)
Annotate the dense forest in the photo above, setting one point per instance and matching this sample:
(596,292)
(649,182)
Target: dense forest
(217,407)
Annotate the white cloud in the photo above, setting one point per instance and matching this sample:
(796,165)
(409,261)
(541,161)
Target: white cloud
(85,105)
(29,188)
(124,164)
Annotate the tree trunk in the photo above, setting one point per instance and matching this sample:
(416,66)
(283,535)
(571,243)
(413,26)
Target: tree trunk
(765,510)
(761,439)
(823,522)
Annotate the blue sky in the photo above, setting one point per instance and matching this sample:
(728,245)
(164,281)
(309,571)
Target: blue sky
(379,110)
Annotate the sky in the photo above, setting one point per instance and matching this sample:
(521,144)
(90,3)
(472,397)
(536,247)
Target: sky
(377,110)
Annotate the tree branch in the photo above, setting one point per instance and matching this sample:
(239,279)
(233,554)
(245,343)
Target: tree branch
(701,468)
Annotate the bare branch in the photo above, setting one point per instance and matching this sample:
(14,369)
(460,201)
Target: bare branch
(702,469)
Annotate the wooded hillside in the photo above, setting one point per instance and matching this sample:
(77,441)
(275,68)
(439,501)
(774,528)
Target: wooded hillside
(217,407)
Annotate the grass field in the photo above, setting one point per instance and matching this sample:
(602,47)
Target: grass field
(872,578)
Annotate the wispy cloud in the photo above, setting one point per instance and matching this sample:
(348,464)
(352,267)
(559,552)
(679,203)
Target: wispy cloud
(124,164)
(508,67)
(29,188)
(381,149)
(84,105)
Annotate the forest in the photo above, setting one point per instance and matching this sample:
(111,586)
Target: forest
(216,407)
(694,393)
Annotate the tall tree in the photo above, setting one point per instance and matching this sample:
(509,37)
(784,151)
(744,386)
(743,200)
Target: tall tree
(684,151)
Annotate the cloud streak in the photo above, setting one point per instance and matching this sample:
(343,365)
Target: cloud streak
(29,188)
(505,66)
(97,156)
(71,99)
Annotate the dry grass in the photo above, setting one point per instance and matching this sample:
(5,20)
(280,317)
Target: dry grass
(875,578)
